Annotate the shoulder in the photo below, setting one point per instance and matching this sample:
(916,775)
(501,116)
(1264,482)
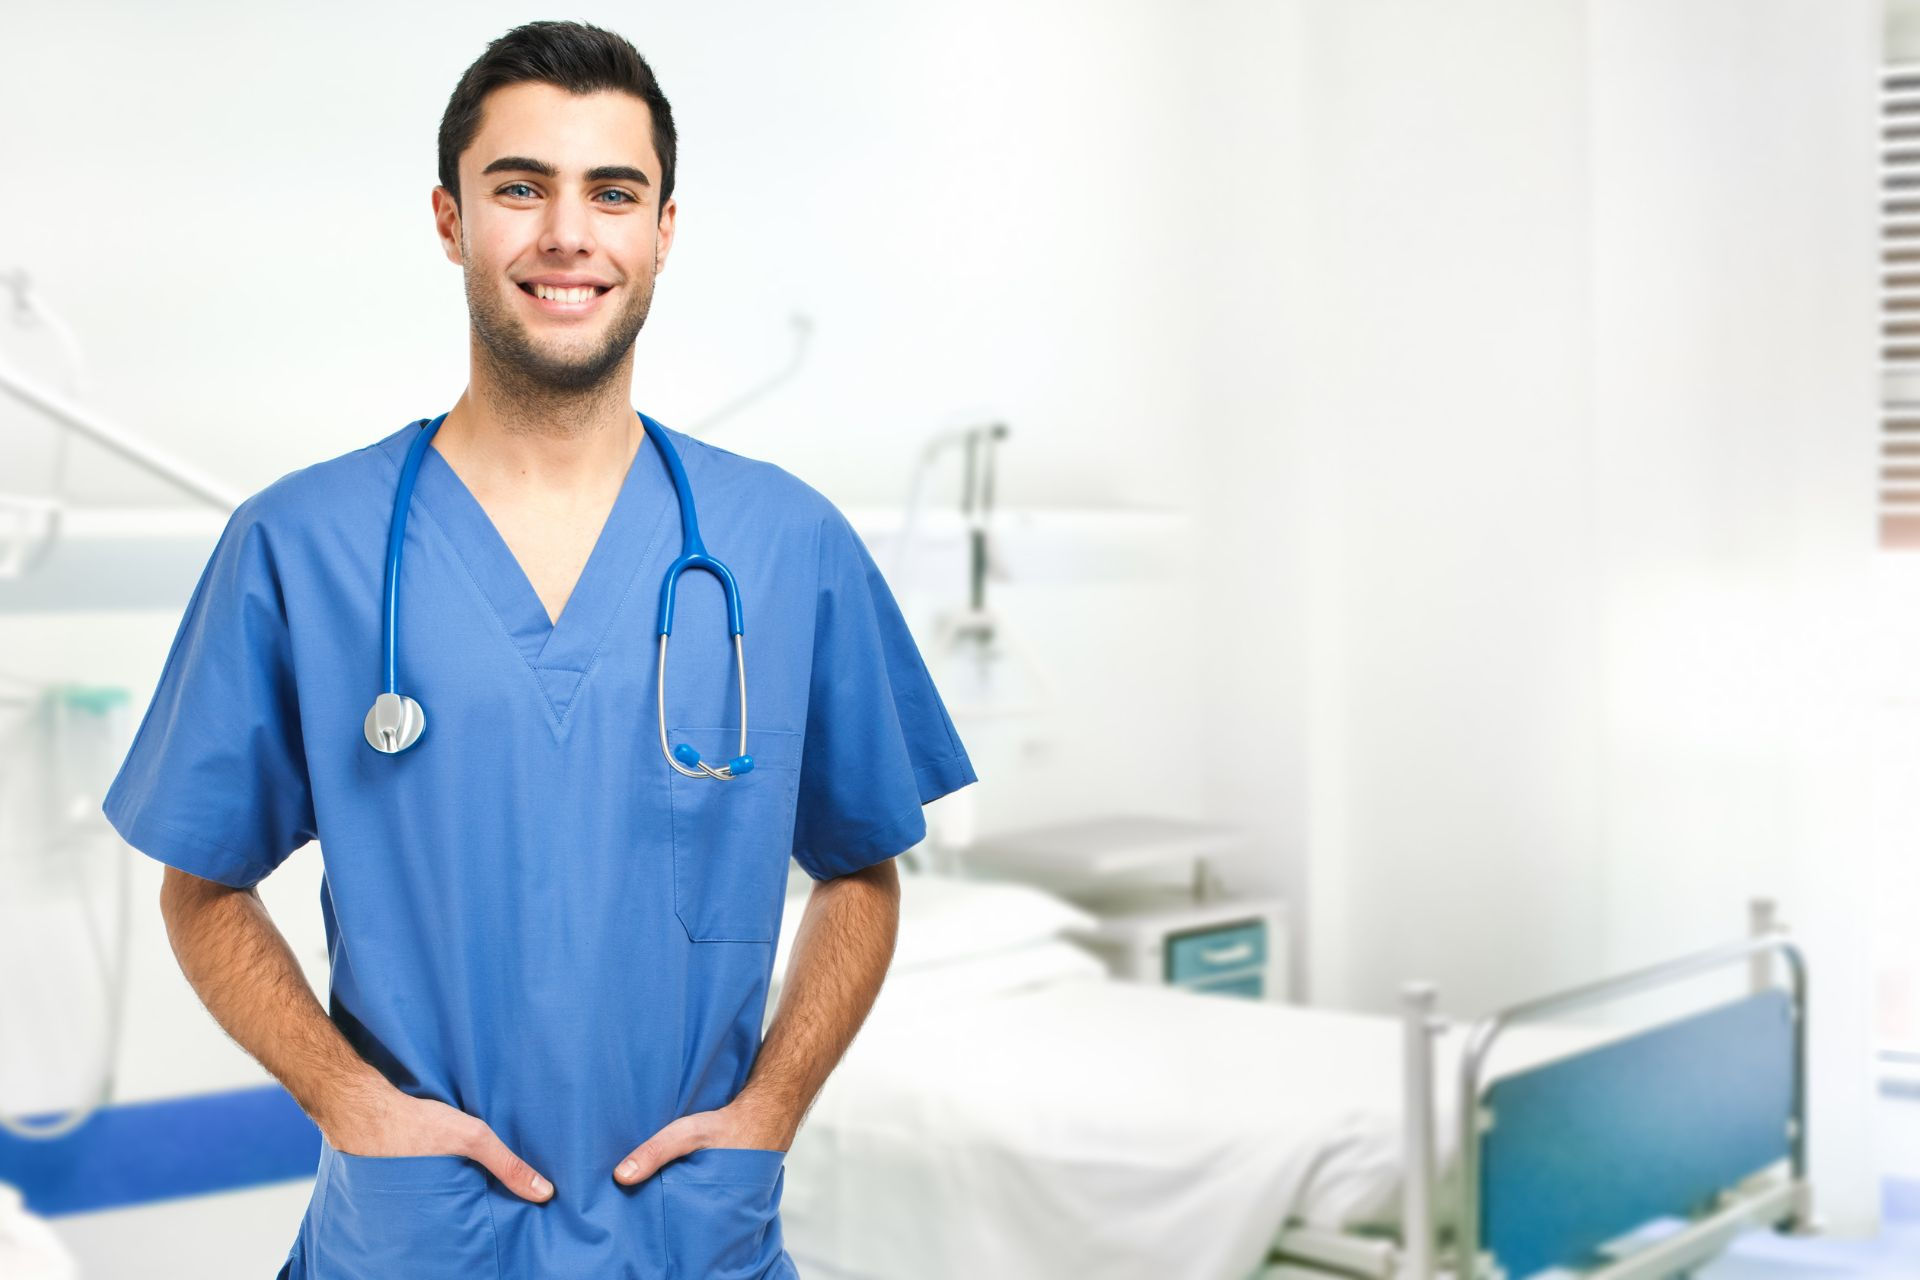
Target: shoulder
(768,490)
(320,495)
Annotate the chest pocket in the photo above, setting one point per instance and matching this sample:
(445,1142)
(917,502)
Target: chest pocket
(732,839)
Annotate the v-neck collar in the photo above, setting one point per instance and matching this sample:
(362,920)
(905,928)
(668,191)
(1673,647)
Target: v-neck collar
(558,655)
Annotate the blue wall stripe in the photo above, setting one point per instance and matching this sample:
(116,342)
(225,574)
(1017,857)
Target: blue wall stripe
(137,1152)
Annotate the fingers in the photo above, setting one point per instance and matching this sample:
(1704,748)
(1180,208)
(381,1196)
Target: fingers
(515,1174)
(670,1143)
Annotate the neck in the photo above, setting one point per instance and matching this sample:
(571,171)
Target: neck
(505,433)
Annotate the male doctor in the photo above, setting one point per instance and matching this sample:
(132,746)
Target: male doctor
(550,952)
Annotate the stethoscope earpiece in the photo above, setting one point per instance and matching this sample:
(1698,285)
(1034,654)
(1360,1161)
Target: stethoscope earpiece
(733,768)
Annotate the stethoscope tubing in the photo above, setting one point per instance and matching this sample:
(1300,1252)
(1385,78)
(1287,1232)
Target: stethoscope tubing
(396,537)
(396,722)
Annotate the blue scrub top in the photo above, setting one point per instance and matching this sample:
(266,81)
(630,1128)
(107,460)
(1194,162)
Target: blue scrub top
(529,915)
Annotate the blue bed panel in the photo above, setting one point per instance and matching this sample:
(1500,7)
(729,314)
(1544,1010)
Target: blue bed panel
(137,1152)
(1590,1147)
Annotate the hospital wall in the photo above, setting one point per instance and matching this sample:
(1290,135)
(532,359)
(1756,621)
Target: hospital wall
(1575,448)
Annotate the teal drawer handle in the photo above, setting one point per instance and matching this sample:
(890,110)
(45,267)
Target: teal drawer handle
(1235,954)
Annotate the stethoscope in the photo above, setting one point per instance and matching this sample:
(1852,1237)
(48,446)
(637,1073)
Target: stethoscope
(396,721)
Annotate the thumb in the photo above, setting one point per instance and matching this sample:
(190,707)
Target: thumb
(515,1174)
(672,1142)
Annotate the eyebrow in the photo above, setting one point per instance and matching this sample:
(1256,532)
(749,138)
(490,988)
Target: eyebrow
(526,164)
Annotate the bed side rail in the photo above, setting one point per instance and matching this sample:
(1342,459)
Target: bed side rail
(1577,1152)
(1559,1159)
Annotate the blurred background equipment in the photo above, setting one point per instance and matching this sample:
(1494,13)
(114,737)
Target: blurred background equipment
(61,868)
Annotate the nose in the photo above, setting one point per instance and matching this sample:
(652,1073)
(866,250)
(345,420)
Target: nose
(568,228)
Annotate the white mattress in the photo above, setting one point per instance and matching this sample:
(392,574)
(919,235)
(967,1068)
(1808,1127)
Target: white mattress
(1080,1126)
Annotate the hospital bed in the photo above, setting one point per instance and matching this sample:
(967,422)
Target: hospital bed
(1010,1110)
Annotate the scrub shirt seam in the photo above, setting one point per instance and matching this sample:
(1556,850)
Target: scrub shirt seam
(318,1218)
(600,648)
(493,1229)
(506,633)
(906,811)
(859,839)
(198,840)
(653,542)
(932,765)
(666,1236)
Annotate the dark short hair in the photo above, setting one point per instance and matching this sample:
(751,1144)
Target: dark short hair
(575,56)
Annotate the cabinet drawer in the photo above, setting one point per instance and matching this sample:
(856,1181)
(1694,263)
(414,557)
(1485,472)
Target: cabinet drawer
(1218,949)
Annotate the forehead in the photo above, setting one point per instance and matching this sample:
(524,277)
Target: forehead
(572,131)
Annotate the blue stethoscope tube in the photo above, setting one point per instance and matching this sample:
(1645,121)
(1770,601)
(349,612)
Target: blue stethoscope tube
(396,721)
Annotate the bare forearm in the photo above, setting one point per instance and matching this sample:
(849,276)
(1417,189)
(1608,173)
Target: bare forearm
(840,957)
(239,963)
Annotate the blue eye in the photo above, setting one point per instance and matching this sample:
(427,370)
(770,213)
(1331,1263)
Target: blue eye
(512,188)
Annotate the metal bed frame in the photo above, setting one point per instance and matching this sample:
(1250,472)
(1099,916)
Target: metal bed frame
(1744,1188)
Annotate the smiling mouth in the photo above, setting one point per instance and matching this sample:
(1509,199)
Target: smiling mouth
(548,293)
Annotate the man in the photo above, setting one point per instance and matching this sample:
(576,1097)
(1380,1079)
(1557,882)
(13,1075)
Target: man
(550,950)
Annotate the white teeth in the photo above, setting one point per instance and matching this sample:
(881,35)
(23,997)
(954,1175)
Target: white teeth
(563,295)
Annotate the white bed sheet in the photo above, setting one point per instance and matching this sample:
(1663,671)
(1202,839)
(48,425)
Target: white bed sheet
(1082,1126)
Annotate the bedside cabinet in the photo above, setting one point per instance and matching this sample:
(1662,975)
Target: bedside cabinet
(1223,946)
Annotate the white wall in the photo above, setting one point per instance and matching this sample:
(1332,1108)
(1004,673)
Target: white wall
(1902,38)
(1451,660)
(1735,152)
(1242,183)
(1581,322)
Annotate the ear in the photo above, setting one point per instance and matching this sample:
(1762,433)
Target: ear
(446,224)
(663,244)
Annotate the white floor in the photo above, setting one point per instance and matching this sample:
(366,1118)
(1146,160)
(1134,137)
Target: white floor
(236,1235)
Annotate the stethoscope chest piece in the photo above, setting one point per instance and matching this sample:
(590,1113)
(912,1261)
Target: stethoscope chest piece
(394,722)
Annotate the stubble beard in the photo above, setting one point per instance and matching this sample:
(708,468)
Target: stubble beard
(534,376)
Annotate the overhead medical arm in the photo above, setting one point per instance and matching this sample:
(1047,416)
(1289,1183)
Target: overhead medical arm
(143,455)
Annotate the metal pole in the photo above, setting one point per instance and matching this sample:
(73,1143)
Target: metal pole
(1761,923)
(1417,1235)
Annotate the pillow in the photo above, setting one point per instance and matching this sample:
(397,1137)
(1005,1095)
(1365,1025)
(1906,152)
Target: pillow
(944,919)
(935,988)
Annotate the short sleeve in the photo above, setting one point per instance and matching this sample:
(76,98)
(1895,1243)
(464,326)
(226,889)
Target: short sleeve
(215,782)
(879,743)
